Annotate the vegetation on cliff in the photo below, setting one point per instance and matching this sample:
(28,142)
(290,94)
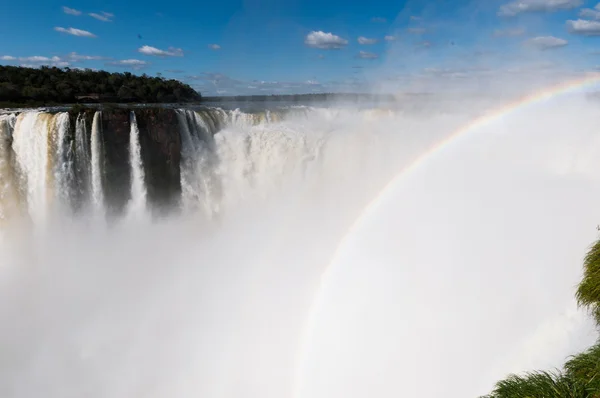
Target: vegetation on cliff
(580,376)
(47,85)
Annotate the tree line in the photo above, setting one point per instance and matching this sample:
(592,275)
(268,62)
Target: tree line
(52,85)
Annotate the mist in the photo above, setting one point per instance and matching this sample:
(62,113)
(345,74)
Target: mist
(463,273)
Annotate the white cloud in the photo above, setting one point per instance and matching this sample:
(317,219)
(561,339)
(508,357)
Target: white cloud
(378,20)
(156,52)
(584,27)
(325,41)
(104,17)
(38,58)
(367,55)
(589,13)
(416,31)
(509,32)
(321,56)
(415,18)
(311,82)
(546,42)
(36,61)
(71,11)
(214,47)
(74,32)
(389,38)
(365,41)
(74,57)
(520,6)
(134,64)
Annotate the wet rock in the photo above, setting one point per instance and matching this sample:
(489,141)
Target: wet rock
(160,143)
(117,173)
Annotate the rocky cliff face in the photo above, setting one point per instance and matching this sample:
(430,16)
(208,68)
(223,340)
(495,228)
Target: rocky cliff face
(117,172)
(160,143)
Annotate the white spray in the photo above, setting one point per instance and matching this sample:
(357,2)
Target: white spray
(467,264)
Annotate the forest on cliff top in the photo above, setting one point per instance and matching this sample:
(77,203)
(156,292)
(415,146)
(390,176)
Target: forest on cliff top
(51,85)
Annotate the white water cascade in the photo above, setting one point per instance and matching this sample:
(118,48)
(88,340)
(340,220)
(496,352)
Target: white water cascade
(44,161)
(198,180)
(461,273)
(97,164)
(83,164)
(64,176)
(137,204)
(9,189)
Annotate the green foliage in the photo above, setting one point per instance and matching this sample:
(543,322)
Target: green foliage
(539,385)
(66,86)
(584,368)
(588,292)
(580,377)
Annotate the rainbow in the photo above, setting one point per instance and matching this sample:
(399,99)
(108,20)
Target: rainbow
(474,125)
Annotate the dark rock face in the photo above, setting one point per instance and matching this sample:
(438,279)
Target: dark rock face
(117,175)
(160,143)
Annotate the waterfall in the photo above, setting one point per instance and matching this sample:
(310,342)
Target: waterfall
(137,205)
(9,190)
(64,163)
(465,265)
(199,184)
(97,163)
(226,156)
(83,167)
(44,159)
(30,144)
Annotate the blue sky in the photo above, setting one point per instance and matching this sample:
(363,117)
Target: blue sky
(273,46)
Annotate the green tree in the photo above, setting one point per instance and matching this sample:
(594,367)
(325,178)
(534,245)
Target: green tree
(55,85)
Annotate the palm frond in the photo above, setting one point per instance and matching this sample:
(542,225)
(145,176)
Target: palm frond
(538,385)
(588,291)
(585,368)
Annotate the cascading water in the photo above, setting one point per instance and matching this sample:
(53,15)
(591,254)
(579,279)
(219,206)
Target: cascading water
(97,160)
(198,181)
(9,189)
(137,205)
(30,144)
(83,164)
(466,264)
(64,173)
